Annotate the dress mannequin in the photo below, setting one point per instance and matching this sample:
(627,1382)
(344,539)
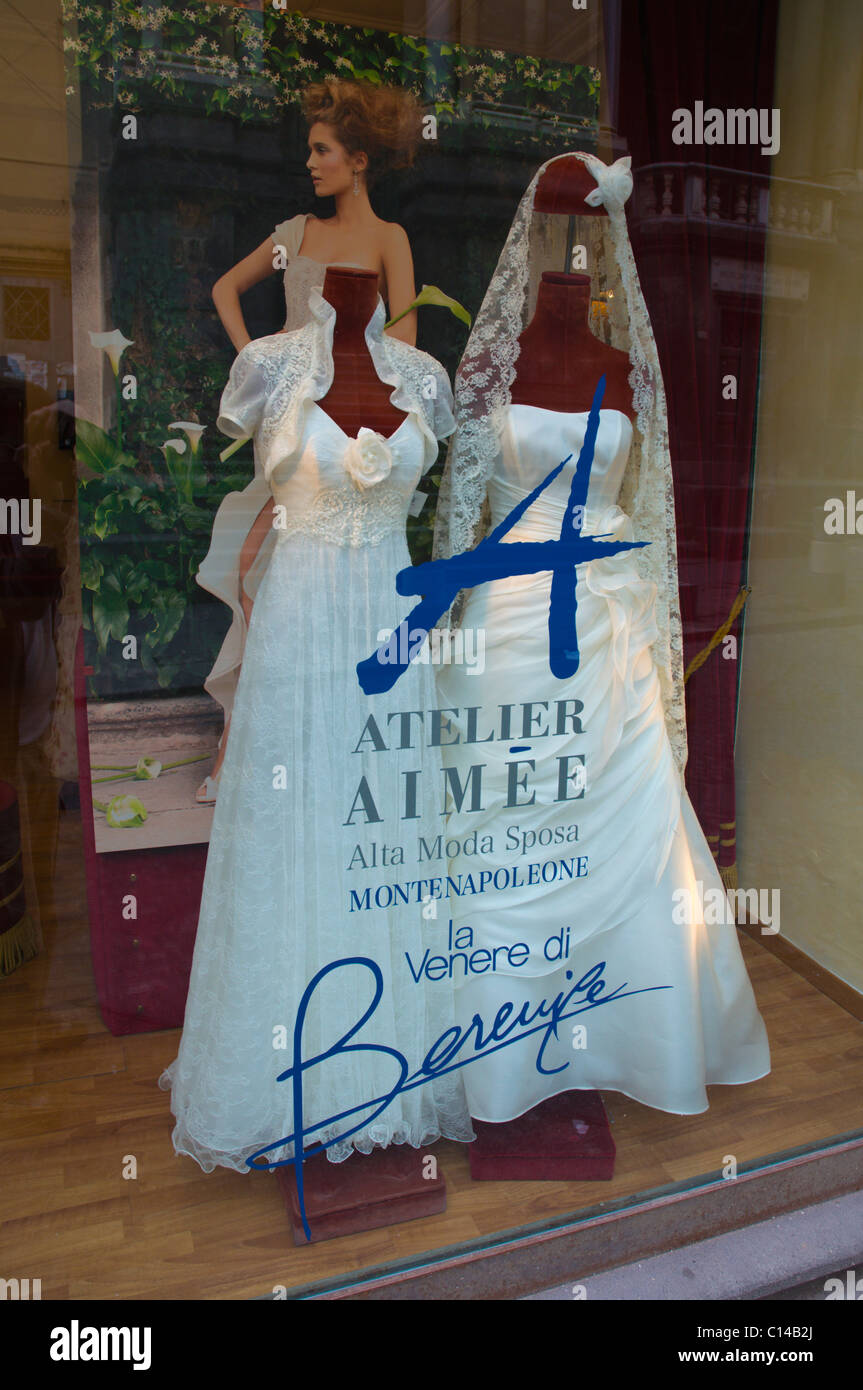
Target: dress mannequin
(561,360)
(559,364)
(514,473)
(387,1185)
(275,947)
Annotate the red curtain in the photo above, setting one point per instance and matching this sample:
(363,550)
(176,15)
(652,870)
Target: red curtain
(698,225)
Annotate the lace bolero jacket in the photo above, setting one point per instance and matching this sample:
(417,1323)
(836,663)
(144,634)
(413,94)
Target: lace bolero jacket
(273,379)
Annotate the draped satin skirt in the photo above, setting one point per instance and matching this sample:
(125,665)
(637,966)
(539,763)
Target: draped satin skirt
(595,874)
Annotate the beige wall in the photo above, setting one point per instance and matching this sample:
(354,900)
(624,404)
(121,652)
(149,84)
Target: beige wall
(799,752)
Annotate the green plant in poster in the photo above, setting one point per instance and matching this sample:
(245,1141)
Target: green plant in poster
(252,64)
(141,585)
(143,535)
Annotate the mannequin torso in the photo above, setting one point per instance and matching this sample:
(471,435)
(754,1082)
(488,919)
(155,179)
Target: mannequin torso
(357,397)
(560,360)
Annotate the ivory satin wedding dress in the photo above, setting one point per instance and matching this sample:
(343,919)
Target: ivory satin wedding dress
(619,837)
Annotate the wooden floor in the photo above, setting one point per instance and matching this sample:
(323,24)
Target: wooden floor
(76,1104)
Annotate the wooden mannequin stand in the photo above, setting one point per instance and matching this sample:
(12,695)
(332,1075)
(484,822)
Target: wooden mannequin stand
(382,1188)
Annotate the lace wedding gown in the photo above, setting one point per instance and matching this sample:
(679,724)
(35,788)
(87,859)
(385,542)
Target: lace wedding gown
(628,831)
(276,903)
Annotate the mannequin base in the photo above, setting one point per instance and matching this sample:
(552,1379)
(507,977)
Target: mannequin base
(564,1139)
(382,1188)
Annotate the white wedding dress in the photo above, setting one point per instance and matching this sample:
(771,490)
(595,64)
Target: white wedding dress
(276,902)
(638,840)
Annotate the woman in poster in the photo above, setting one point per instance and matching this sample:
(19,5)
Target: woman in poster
(356,133)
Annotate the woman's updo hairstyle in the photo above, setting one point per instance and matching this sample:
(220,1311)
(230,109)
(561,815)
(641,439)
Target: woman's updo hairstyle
(384,123)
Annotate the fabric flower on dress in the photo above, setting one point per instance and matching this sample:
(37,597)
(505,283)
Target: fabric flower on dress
(368,459)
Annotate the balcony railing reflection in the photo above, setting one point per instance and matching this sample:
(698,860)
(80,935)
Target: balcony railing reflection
(734,198)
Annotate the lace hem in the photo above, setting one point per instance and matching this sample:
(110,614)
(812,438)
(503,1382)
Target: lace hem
(378,1136)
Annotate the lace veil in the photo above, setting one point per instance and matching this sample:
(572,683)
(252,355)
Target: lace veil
(539,242)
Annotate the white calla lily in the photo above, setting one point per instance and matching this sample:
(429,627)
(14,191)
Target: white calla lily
(192,429)
(125,812)
(232,448)
(114,343)
(147,769)
(178,444)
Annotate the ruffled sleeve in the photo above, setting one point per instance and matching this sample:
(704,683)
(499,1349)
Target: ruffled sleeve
(243,399)
(290,234)
(437,412)
(444,420)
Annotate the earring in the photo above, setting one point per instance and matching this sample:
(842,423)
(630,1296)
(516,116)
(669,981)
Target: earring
(356,184)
